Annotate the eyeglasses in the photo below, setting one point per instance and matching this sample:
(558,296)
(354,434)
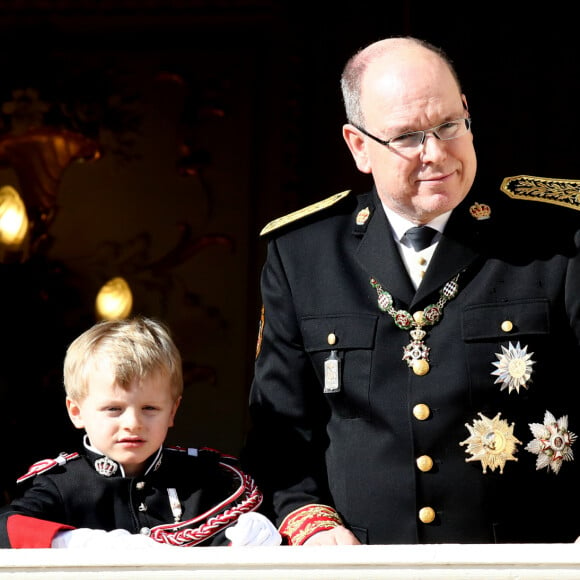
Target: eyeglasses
(412,140)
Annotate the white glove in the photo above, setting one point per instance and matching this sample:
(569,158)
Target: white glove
(253,529)
(89,538)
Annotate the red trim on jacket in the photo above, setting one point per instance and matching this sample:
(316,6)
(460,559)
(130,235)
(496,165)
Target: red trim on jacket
(27,532)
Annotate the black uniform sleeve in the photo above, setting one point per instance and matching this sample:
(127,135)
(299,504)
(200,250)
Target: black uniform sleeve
(284,449)
(32,520)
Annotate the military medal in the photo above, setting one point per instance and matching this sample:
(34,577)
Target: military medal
(416,353)
(491,441)
(514,367)
(332,368)
(552,443)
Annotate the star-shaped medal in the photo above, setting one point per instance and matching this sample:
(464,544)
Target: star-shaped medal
(514,367)
(491,441)
(552,443)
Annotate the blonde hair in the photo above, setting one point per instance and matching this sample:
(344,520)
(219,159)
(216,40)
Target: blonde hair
(135,347)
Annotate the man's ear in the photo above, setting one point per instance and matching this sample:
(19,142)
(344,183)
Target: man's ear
(357,146)
(74,413)
(464,101)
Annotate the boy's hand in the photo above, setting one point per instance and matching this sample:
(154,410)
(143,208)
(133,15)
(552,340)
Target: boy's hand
(253,529)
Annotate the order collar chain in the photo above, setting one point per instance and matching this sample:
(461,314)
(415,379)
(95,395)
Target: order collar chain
(416,353)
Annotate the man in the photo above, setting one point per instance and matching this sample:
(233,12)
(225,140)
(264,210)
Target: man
(409,393)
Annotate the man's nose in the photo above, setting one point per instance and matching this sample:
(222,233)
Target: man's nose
(429,133)
(432,145)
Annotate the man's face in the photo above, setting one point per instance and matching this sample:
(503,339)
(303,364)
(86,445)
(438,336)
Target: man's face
(412,91)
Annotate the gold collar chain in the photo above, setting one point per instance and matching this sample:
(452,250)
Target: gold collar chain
(416,353)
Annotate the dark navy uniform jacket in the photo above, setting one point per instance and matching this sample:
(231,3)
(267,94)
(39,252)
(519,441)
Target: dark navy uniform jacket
(87,490)
(366,449)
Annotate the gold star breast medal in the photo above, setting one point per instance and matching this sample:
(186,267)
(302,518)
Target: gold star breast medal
(491,441)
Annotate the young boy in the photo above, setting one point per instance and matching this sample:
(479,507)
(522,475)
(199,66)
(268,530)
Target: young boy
(123,382)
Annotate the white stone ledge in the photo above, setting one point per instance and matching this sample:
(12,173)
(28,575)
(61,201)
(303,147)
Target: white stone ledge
(425,562)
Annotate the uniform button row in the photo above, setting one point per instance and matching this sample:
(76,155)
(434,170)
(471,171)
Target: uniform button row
(421,412)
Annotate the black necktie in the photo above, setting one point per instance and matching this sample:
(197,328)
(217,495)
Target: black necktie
(420,237)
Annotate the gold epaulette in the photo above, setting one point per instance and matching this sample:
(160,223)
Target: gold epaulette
(308,210)
(564,192)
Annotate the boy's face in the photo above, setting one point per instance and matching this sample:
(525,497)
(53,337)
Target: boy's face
(127,425)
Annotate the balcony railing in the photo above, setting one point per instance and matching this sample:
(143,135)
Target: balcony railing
(427,562)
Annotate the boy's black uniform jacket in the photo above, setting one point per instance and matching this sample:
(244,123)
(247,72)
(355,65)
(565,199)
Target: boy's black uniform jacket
(87,490)
(356,450)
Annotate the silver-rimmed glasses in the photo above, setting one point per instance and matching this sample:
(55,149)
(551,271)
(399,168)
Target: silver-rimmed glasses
(412,140)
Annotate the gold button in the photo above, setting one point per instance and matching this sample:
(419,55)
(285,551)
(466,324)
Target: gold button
(427,515)
(421,411)
(424,463)
(422,261)
(507,326)
(331,339)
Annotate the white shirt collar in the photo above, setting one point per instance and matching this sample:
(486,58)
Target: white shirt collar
(400,224)
(416,263)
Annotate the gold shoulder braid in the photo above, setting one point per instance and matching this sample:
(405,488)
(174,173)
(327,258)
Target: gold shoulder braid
(564,192)
(308,210)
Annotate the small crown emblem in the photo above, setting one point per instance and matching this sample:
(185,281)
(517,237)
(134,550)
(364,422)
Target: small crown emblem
(480,211)
(105,466)
(362,216)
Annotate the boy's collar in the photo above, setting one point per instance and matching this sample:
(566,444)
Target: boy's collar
(107,467)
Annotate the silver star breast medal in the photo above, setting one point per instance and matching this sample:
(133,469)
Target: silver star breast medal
(514,367)
(552,442)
